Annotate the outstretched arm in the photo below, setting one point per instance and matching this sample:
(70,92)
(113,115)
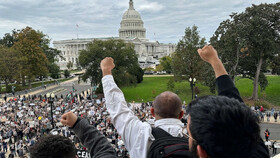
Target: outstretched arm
(89,136)
(225,85)
(129,127)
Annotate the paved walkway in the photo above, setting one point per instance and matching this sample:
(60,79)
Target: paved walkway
(35,92)
(271,120)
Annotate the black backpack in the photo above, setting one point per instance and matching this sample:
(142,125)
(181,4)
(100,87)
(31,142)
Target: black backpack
(167,146)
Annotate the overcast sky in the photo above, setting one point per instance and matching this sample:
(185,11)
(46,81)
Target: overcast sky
(164,20)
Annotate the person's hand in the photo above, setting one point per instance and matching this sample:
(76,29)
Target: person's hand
(107,64)
(208,54)
(69,119)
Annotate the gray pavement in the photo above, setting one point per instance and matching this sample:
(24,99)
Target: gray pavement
(62,88)
(274,130)
(65,88)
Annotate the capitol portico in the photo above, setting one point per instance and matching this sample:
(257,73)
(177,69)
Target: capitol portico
(131,30)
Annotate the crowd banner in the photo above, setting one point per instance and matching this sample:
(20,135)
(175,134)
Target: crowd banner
(277,145)
(82,154)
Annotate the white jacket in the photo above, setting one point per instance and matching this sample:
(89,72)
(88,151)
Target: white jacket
(136,134)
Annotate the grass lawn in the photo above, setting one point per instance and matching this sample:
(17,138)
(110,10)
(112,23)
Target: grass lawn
(152,86)
(271,93)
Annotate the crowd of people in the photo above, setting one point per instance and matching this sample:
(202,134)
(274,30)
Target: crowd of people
(261,113)
(208,126)
(24,119)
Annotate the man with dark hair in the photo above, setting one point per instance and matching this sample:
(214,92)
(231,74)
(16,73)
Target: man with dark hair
(137,135)
(56,146)
(223,126)
(53,146)
(90,137)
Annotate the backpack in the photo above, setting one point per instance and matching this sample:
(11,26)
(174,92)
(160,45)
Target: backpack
(166,145)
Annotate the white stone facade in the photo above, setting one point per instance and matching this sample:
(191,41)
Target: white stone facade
(131,30)
(132,25)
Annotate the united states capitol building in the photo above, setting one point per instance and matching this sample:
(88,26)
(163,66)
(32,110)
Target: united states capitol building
(131,30)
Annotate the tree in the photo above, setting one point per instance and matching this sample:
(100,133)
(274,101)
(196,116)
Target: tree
(275,65)
(51,54)
(259,29)
(165,63)
(66,73)
(186,62)
(124,57)
(8,65)
(33,61)
(137,72)
(54,70)
(227,42)
(8,39)
(69,65)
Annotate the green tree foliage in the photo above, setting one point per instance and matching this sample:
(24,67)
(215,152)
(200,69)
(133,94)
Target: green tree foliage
(170,84)
(51,55)
(124,57)
(8,39)
(275,65)
(248,41)
(138,72)
(227,42)
(186,62)
(54,71)
(33,61)
(260,27)
(66,73)
(165,64)
(8,65)
(69,65)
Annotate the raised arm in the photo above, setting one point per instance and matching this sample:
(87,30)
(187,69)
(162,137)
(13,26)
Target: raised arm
(129,127)
(89,136)
(225,85)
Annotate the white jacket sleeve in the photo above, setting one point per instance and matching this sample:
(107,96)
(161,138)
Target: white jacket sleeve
(134,133)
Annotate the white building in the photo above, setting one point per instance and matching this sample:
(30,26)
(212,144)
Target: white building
(131,30)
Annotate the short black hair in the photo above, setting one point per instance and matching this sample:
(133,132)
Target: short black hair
(53,146)
(224,127)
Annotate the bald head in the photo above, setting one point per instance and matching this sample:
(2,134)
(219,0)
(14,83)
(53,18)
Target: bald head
(167,105)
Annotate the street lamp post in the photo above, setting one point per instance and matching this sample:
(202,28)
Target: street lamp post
(192,84)
(94,88)
(50,101)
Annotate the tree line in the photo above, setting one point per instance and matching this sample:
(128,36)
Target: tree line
(248,44)
(26,54)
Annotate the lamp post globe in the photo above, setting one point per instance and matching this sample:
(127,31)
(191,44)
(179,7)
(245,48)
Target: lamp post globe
(192,84)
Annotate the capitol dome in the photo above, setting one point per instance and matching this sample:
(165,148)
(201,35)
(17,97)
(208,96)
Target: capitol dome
(132,25)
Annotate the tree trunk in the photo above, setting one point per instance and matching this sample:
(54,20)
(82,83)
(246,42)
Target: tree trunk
(7,84)
(235,65)
(23,80)
(256,80)
(29,82)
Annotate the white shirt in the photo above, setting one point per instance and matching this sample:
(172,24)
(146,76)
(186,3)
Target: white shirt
(136,135)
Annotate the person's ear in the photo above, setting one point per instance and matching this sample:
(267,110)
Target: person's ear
(153,111)
(181,114)
(201,153)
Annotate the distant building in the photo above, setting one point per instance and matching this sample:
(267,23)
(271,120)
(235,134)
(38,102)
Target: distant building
(131,30)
